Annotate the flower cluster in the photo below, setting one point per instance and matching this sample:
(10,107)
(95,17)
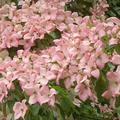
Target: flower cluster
(80,53)
(24,24)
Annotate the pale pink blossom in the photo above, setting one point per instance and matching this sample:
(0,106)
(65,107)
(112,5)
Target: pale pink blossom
(20,109)
(95,73)
(114,85)
(3,90)
(116,59)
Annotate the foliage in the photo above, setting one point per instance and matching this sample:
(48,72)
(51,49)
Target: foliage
(82,7)
(114,8)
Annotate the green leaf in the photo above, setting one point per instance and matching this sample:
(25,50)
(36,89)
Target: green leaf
(115,35)
(22,23)
(0,107)
(65,8)
(90,25)
(28,115)
(102,81)
(117,111)
(35,1)
(52,83)
(13,50)
(10,105)
(47,41)
(56,34)
(70,117)
(17,93)
(7,18)
(93,80)
(60,90)
(26,97)
(108,49)
(82,7)
(16,97)
(106,38)
(66,104)
(4,109)
(117,104)
(40,118)
(60,115)
(109,66)
(35,109)
(113,10)
(20,118)
(51,115)
(117,48)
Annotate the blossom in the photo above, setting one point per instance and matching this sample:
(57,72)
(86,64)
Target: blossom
(95,73)
(46,95)
(20,109)
(3,90)
(114,85)
(83,89)
(116,59)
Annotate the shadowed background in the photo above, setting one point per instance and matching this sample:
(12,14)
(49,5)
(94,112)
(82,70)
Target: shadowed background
(2,2)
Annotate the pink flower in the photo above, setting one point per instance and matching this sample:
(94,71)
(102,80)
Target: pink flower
(62,27)
(46,95)
(3,90)
(107,94)
(101,33)
(95,73)
(102,59)
(114,85)
(45,76)
(114,30)
(3,54)
(52,97)
(20,109)
(114,20)
(33,99)
(84,90)
(68,83)
(34,94)
(29,88)
(43,97)
(116,59)
(113,41)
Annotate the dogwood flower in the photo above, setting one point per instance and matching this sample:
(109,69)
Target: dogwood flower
(20,109)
